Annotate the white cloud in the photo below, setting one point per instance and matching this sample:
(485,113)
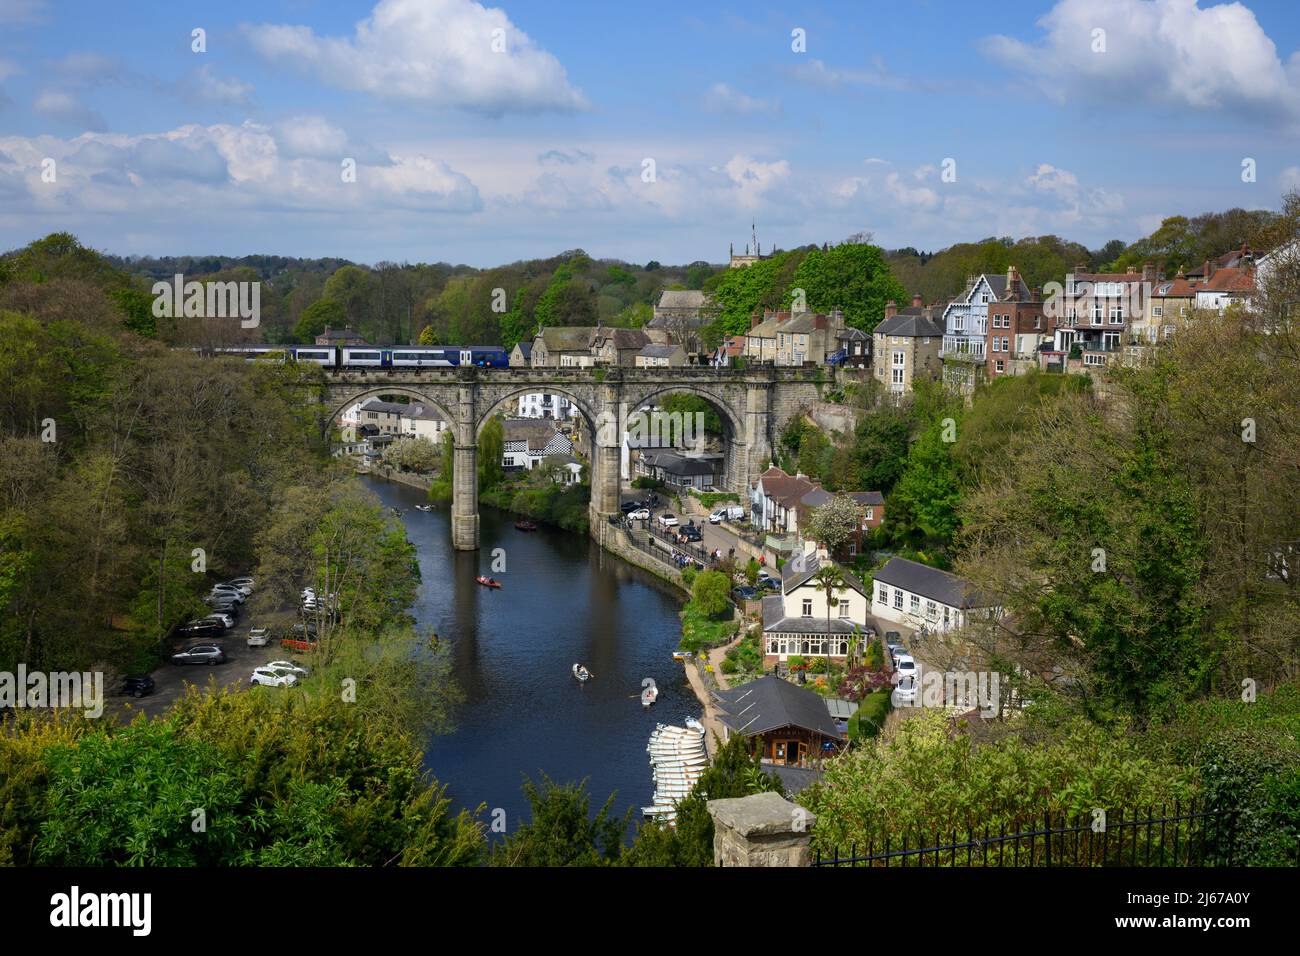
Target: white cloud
(1168,52)
(65,108)
(752,178)
(311,136)
(436,52)
(722,98)
(206,86)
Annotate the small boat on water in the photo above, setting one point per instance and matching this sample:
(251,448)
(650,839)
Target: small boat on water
(488,582)
(649,695)
(581,673)
(397,512)
(525,526)
(424,507)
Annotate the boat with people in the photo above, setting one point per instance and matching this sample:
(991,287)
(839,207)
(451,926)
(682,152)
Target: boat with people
(649,695)
(424,507)
(581,673)
(488,582)
(525,526)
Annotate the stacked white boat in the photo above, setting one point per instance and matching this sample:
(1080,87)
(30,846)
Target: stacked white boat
(677,761)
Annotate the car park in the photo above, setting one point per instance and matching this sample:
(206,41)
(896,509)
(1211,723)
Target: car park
(200,628)
(270,677)
(200,654)
(668,520)
(259,637)
(137,686)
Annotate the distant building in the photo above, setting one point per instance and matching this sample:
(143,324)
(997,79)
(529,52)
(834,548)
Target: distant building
(421,421)
(528,441)
(521,356)
(546,405)
(339,337)
(660,356)
(680,471)
(791,725)
(917,595)
(563,346)
(617,346)
(905,348)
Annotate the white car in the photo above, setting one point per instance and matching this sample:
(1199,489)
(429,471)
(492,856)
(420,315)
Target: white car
(288,667)
(718,517)
(243,582)
(641,514)
(259,637)
(225,619)
(905,692)
(668,520)
(233,594)
(244,589)
(905,667)
(270,677)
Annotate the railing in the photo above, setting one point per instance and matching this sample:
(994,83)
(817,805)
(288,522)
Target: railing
(1189,836)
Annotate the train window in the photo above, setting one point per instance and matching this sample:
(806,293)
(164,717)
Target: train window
(363,355)
(313,355)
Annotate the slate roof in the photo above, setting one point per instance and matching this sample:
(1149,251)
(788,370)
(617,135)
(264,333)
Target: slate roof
(682,299)
(622,338)
(929,582)
(776,622)
(676,464)
(771,703)
(525,349)
(567,338)
(537,432)
(793,581)
(659,351)
(909,325)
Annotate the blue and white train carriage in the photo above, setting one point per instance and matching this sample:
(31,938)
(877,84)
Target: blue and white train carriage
(376,356)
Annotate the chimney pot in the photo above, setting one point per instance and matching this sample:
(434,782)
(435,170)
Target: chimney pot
(916,300)
(891,308)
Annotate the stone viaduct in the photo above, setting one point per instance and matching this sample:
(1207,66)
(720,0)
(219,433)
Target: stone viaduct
(754,405)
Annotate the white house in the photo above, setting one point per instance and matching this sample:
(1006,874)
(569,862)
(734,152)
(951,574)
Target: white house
(528,441)
(421,421)
(795,621)
(916,595)
(546,405)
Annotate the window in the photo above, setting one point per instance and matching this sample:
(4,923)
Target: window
(897,376)
(1006,343)
(898,599)
(915,604)
(1117,314)
(984,298)
(999,365)
(807,607)
(900,358)
(930,610)
(869,514)
(882,594)
(844,609)
(1157,311)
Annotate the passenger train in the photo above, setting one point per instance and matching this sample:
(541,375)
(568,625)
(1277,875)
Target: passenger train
(375,356)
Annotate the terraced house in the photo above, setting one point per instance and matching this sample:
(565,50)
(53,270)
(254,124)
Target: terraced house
(905,347)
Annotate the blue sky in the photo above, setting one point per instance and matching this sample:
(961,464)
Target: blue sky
(470,155)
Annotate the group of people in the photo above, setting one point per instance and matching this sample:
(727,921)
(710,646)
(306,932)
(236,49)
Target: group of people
(684,560)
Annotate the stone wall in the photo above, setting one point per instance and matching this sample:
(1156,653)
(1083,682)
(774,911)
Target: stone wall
(764,829)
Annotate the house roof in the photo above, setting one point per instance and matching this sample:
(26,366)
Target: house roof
(784,488)
(423,412)
(537,432)
(800,578)
(622,338)
(929,582)
(391,408)
(771,703)
(909,325)
(1230,279)
(676,464)
(566,338)
(850,334)
(660,351)
(525,349)
(682,299)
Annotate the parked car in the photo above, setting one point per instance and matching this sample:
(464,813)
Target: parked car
(770,584)
(742,594)
(221,601)
(201,628)
(243,582)
(628,506)
(137,686)
(297,670)
(232,593)
(692,533)
(718,516)
(259,637)
(905,667)
(221,617)
(641,514)
(244,589)
(727,513)
(270,677)
(668,520)
(200,654)
(905,692)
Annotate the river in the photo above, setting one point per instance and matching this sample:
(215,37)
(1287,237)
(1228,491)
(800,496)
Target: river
(563,600)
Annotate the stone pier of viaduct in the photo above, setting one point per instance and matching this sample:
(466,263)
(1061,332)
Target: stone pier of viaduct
(754,406)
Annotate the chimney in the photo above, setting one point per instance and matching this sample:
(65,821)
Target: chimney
(754,320)
(819,321)
(1131,270)
(1148,272)
(1080,268)
(1013,277)
(1205,274)
(891,308)
(916,300)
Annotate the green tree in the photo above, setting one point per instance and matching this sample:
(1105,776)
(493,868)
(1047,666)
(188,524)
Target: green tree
(929,489)
(828,579)
(853,277)
(562,831)
(491,449)
(316,317)
(834,523)
(711,593)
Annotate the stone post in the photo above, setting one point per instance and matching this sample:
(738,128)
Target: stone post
(464,485)
(763,829)
(758,397)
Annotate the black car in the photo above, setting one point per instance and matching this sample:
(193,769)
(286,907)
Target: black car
(201,628)
(744,594)
(200,654)
(692,533)
(137,686)
(770,584)
(630,506)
